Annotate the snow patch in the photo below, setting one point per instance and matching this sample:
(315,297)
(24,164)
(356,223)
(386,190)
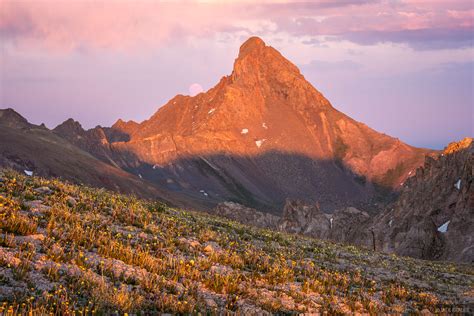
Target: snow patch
(244,131)
(264,125)
(28,172)
(211,111)
(444,228)
(390,223)
(259,142)
(204,192)
(457,185)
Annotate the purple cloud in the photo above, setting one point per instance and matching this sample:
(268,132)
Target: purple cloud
(129,25)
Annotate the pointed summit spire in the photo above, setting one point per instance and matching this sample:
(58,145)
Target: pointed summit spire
(253,44)
(257,60)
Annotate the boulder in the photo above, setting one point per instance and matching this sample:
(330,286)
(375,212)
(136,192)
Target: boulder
(43,190)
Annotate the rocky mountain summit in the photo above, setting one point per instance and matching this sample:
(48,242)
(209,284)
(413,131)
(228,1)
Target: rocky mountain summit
(431,219)
(261,135)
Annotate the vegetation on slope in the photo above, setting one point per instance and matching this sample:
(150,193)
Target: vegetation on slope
(66,248)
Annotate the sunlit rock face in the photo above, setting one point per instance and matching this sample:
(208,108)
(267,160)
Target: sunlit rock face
(261,135)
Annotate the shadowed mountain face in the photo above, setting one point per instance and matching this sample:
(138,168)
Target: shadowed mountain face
(261,135)
(262,181)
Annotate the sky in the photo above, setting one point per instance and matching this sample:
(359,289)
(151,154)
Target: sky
(403,67)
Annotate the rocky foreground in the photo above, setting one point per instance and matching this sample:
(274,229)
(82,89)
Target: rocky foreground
(67,248)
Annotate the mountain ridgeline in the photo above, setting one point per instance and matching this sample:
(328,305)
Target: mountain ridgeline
(261,135)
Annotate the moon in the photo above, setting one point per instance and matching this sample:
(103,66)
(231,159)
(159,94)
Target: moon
(195,89)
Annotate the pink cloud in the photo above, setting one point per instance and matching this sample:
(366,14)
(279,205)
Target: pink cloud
(142,25)
(106,24)
(417,23)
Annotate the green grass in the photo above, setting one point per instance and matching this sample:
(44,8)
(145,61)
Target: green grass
(108,252)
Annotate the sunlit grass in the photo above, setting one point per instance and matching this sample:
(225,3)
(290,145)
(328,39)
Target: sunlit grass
(92,251)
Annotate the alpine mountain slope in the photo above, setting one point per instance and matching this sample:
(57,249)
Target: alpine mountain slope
(261,135)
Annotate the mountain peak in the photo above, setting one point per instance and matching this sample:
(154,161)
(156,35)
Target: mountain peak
(12,118)
(269,118)
(121,124)
(458,146)
(69,127)
(254,43)
(258,60)
(72,123)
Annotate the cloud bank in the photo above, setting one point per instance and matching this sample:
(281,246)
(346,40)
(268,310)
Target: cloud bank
(134,25)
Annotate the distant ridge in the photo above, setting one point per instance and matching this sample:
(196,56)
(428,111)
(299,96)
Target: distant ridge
(36,150)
